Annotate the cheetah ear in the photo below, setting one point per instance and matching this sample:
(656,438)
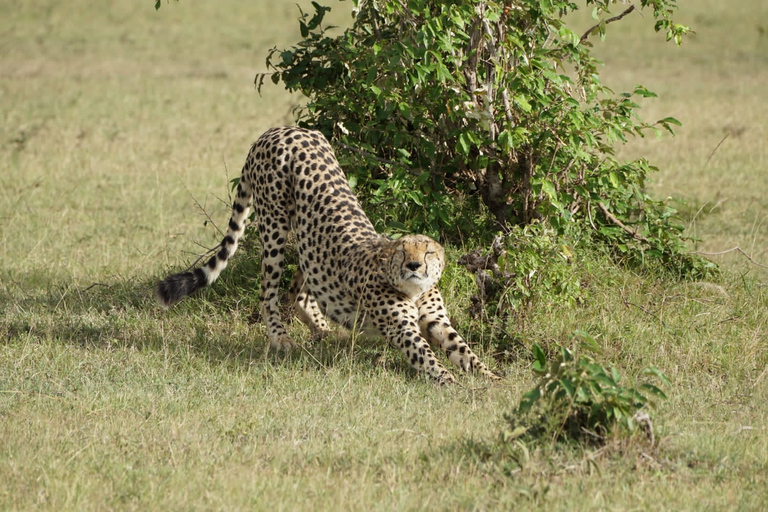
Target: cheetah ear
(386,249)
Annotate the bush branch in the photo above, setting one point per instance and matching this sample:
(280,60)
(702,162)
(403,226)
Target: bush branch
(369,154)
(737,248)
(611,217)
(609,20)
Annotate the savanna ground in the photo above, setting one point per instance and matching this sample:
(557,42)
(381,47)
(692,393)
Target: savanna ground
(114,117)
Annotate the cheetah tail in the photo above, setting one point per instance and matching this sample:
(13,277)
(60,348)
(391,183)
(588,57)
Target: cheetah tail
(173,288)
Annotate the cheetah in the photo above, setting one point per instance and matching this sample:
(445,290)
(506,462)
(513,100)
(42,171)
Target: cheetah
(347,272)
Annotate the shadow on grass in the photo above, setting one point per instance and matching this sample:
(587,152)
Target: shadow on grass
(219,325)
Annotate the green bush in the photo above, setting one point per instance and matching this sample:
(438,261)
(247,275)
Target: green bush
(467,117)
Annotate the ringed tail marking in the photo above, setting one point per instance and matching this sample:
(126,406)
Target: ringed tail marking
(175,287)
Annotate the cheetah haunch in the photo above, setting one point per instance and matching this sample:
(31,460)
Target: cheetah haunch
(347,272)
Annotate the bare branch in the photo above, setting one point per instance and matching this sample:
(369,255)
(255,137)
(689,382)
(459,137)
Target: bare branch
(490,74)
(641,308)
(95,284)
(374,20)
(368,154)
(507,106)
(611,217)
(609,20)
(716,148)
(202,209)
(737,248)
(201,257)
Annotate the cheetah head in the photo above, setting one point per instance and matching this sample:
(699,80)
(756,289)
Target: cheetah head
(414,264)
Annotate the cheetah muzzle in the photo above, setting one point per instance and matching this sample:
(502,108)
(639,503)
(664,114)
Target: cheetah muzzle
(347,272)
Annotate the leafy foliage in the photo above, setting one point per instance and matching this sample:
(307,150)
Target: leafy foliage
(455,115)
(525,267)
(577,398)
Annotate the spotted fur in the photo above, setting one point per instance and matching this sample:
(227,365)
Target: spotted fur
(347,272)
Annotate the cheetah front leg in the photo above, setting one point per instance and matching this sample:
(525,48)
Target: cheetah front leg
(305,306)
(399,325)
(437,328)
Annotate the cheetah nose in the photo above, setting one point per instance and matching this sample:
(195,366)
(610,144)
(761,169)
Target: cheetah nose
(413,265)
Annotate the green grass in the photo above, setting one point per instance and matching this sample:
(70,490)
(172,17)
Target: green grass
(113,116)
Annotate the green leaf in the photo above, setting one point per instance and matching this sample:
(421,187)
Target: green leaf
(671,120)
(522,102)
(614,178)
(464,143)
(539,359)
(397,226)
(569,386)
(653,390)
(505,140)
(528,399)
(645,93)
(549,188)
(416,197)
(587,342)
(654,371)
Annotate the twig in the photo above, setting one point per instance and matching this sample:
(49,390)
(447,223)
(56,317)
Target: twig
(374,20)
(201,257)
(197,203)
(368,154)
(641,308)
(716,148)
(644,421)
(759,377)
(623,226)
(609,20)
(589,214)
(554,155)
(737,248)
(95,284)
(507,106)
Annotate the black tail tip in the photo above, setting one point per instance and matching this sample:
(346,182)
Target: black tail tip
(174,288)
(163,294)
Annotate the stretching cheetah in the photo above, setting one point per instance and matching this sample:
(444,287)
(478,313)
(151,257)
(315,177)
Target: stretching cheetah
(347,272)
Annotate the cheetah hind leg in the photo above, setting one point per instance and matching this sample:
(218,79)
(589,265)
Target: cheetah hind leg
(273,237)
(305,307)
(436,327)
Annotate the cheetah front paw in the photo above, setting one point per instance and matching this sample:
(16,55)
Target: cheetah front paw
(445,377)
(320,334)
(284,343)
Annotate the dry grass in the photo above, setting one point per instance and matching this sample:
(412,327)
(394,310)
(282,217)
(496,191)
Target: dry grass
(114,116)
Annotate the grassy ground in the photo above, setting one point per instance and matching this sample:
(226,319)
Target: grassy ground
(115,116)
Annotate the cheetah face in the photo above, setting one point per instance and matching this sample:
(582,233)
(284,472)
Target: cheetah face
(415,264)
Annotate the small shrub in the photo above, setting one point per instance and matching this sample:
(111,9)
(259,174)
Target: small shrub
(577,398)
